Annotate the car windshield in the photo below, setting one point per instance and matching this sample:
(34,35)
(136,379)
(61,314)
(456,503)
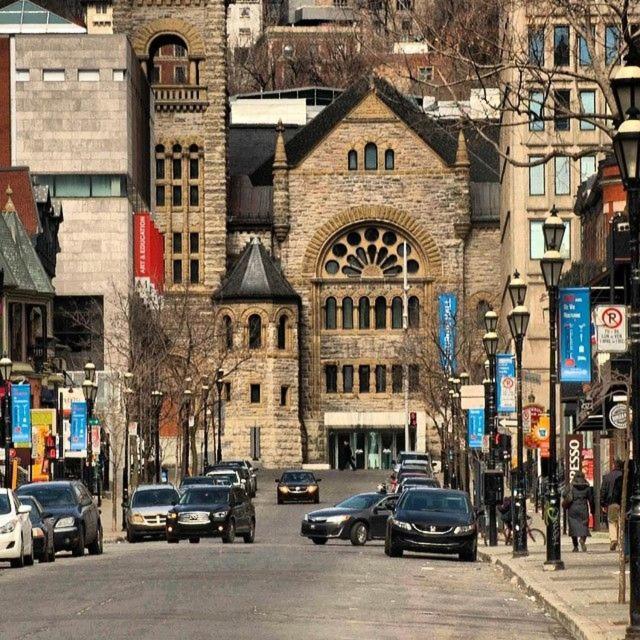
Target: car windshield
(196,480)
(5,506)
(298,476)
(361,501)
(211,495)
(49,496)
(435,501)
(154,497)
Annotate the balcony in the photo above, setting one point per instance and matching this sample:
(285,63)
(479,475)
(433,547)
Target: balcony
(170,97)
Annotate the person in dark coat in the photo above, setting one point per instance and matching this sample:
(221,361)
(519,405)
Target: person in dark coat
(347,456)
(611,499)
(578,500)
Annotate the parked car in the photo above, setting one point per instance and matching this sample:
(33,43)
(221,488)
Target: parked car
(147,510)
(406,457)
(417,481)
(16,539)
(403,475)
(212,512)
(242,471)
(433,521)
(297,486)
(42,524)
(77,518)
(192,481)
(359,518)
(243,464)
(225,477)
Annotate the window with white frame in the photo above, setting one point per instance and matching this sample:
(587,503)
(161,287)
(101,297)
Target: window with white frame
(588,108)
(587,167)
(53,75)
(536,112)
(562,166)
(88,75)
(536,176)
(23,75)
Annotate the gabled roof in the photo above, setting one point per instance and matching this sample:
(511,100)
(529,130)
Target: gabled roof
(256,277)
(40,16)
(18,179)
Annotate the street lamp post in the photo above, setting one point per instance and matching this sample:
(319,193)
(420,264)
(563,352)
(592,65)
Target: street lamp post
(90,390)
(490,342)
(127,392)
(219,385)
(518,322)
(205,400)
(551,265)
(464,381)
(156,403)
(5,369)
(626,145)
(456,384)
(186,407)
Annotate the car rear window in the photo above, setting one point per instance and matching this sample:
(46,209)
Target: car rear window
(434,501)
(49,496)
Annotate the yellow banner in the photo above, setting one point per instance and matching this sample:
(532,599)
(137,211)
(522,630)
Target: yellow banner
(43,422)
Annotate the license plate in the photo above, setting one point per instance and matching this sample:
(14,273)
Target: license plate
(313,526)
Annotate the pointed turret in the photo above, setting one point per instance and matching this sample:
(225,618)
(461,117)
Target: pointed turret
(462,157)
(280,187)
(9,206)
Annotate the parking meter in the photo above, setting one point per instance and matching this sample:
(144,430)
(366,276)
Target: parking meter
(493,486)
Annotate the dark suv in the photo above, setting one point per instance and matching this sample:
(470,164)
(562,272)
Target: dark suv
(212,511)
(77,518)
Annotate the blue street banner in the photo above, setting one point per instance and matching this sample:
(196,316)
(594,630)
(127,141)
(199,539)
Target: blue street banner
(447,311)
(78,427)
(475,428)
(575,335)
(21,415)
(506,382)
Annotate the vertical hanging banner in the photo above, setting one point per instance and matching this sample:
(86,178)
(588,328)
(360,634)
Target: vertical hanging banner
(69,395)
(575,335)
(506,382)
(447,312)
(475,428)
(21,415)
(43,423)
(78,428)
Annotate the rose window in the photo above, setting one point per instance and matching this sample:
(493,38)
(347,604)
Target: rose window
(370,252)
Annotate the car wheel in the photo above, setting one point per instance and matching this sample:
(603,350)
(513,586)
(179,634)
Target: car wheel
(78,550)
(250,536)
(18,563)
(194,540)
(131,537)
(173,540)
(279,500)
(28,560)
(317,499)
(52,552)
(96,547)
(229,536)
(470,555)
(45,556)
(319,540)
(358,535)
(392,549)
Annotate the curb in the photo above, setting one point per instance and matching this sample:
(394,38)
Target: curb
(579,627)
(114,539)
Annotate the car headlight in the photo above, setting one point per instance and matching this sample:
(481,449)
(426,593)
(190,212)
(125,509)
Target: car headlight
(9,526)
(401,524)
(466,528)
(172,515)
(312,488)
(137,518)
(38,532)
(283,489)
(337,519)
(220,514)
(63,523)
(306,517)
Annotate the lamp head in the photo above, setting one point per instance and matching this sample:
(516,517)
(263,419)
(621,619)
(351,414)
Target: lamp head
(626,89)
(626,145)
(551,265)
(517,289)
(90,371)
(490,342)
(490,321)
(553,231)
(6,365)
(518,321)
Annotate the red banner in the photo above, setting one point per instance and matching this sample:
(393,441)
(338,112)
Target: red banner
(148,252)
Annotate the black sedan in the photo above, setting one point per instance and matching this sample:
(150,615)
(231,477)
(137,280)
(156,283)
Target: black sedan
(77,518)
(359,518)
(42,528)
(211,511)
(433,521)
(297,486)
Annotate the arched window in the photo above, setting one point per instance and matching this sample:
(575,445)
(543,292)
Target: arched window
(282,332)
(481,308)
(330,313)
(370,156)
(194,162)
(381,313)
(364,308)
(389,160)
(160,162)
(352,160)
(414,313)
(347,313)
(227,325)
(177,162)
(255,331)
(396,313)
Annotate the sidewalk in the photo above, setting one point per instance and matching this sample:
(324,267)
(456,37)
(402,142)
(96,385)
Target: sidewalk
(111,534)
(583,597)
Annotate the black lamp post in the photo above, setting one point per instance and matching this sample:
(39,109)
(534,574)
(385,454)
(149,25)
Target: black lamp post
(456,385)
(5,369)
(490,342)
(127,393)
(551,265)
(219,385)
(205,399)
(518,322)
(464,381)
(186,410)
(156,403)
(90,390)
(626,145)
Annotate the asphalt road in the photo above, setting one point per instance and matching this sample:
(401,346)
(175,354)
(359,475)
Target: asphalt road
(282,587)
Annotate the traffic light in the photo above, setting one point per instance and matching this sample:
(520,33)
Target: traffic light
(50,448)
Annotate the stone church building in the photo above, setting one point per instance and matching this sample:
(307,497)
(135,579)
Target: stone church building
(297,242)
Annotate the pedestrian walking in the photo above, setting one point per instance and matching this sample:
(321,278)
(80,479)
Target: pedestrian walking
(611,499)
(578,500)
(347,456)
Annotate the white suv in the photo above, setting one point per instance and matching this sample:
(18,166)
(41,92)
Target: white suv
(16,538)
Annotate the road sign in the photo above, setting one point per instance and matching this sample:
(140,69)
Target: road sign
(506,380)
(508,423)
(610,321)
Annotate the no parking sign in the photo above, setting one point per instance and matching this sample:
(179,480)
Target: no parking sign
(610,321)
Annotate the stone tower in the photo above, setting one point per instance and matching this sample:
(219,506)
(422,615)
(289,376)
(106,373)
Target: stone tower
(181,46)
